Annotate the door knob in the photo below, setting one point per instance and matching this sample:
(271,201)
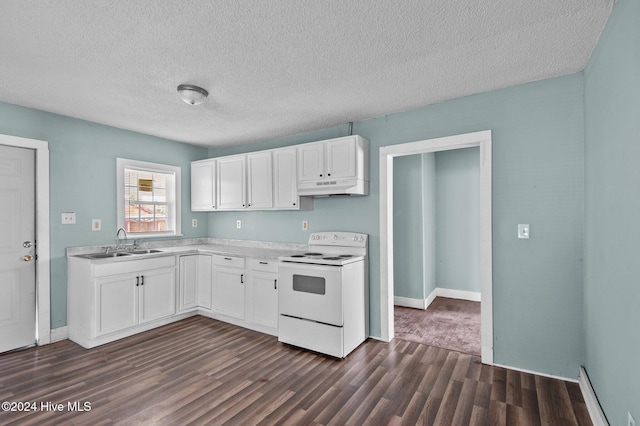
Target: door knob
(27,258)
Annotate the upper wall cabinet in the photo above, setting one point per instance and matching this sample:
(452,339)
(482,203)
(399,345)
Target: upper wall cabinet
(281,179)
(203,185)
(285,191)
(334,167)
(259,180)
(231,187)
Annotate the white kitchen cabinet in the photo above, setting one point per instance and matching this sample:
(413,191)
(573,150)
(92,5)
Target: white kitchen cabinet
(110,300)
(259,180)
(263,293)
(229,286)
(203,185)
(231,182)
(157,293)
(285,188)
(195,282)
(332,159)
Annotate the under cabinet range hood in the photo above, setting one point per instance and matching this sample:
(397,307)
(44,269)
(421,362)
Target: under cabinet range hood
(333,187)
(334,167)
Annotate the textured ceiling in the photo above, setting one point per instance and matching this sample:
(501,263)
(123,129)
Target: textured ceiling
(278,67)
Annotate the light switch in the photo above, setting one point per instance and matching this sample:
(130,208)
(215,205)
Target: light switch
(305,225)
(523,231)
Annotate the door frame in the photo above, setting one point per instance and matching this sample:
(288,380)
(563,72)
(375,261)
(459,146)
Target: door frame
(481,139)
(43,259)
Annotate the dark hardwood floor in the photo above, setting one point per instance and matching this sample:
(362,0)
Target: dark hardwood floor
(202,371)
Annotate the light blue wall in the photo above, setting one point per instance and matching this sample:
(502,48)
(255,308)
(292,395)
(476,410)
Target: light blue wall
(538,176)
(408,229)
(612,234)
(82,180)
(458,219)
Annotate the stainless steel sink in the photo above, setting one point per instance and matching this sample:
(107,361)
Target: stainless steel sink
(103,255)
(146,251)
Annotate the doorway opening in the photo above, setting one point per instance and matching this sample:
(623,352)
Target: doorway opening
(387,154)
(437,249)
(42,260)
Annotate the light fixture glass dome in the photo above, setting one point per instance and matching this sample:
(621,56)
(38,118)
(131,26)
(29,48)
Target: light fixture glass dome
(193,95)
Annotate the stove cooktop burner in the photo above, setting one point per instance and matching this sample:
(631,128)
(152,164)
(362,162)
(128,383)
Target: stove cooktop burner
(332,258)
(312,254)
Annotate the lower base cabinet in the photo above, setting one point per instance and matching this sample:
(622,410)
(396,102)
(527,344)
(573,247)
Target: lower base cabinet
(263,293)
(111,300)
(107,301)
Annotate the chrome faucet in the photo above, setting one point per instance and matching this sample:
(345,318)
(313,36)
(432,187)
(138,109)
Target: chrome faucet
(118,237)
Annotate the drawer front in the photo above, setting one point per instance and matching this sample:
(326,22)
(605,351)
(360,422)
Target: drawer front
(133,265)
(264,265)
(229,261)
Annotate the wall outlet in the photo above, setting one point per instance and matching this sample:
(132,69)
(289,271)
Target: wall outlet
(238,224)
(631,421)
(194,223)
(68,218)
(96,225)
(305,225)
(523,231)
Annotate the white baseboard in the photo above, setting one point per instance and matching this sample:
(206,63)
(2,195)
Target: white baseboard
(437,292)
(60,333)
(409,302)
(595,411)
(473,296)
(537,373)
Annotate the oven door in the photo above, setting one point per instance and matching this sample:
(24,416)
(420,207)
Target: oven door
(311,292)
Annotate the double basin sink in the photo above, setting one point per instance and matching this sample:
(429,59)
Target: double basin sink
(118,254)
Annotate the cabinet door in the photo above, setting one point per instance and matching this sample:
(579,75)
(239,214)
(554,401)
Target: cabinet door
(203,188)
(231,192)
(284,178)
(188,286)
(341,158)
(116,303)
(265,299)
(228,292)
(204,281)
(311,162)
(260,181)
(157,294)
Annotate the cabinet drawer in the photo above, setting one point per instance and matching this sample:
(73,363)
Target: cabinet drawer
(129,266)
(264,265)
(230,261)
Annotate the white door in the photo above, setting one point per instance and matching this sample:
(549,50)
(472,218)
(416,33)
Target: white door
(311,162)
(341,158)
(231,182)
(260,180)
(284,176)
(17,248)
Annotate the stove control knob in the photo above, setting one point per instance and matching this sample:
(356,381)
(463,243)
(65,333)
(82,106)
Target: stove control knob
(355,238)
(335,237)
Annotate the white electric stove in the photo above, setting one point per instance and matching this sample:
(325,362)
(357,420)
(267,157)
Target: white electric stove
(323,294)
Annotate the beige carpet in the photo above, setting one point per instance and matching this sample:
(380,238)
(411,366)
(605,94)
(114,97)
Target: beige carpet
(447,323)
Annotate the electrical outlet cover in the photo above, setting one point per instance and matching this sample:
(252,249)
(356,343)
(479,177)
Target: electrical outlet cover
(96,225)
(238,224)
(194,223)
(68,218)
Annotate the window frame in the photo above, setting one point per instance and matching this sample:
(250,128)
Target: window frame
(176,206)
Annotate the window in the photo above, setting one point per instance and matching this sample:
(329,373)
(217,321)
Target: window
(148,198)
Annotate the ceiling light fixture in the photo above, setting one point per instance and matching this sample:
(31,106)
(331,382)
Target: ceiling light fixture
(193,95)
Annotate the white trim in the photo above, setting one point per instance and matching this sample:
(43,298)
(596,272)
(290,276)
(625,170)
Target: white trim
(176,202)
(409,302)
(43,275)
(481,139)
(537,373)
(473,296)
(423,304)
(58,334)
(593,406)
